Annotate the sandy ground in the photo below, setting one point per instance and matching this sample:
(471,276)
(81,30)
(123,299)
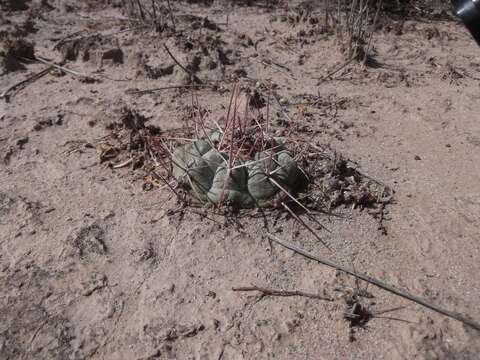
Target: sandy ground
(93,266)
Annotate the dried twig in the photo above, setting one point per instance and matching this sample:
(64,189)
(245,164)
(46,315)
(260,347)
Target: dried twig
(354,166)
(274,182)
(149,91)
(402,293)
(66,38)
(334,71)
(194,77)
(24,82)
(274,292)
(282,69)
(296,217)
(122,164)
(161,178)
(59,67)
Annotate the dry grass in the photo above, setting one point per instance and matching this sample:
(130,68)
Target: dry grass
(355,22)
(154,13)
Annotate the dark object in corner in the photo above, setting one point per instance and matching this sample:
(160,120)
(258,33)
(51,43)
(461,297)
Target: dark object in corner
(469,12)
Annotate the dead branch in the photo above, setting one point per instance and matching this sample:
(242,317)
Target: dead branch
(122,164)
(286,293)
(150,91)
(334,71)
(194,77)
(59,67)
(24,82)
(399,292)
(66,38)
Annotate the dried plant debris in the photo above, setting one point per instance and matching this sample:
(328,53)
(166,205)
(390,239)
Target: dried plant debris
(156,15)
(127,144)
(356,24)
(338,182)
(242,160)
(360,309)
(306,13)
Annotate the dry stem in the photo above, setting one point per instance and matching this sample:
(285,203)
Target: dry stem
(286,293)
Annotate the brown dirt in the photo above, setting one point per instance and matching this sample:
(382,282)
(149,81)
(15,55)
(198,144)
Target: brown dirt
(92,265)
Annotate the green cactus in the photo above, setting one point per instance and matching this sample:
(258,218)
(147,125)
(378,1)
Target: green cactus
(246,184)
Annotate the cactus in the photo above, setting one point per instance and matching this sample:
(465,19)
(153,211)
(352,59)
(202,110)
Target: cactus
(213,178)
